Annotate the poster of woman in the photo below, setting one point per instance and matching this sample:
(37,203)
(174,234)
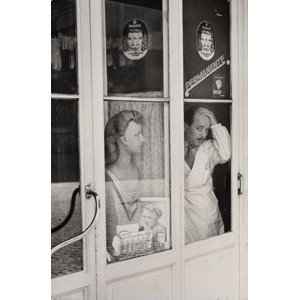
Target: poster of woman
(205,41)
(135,39)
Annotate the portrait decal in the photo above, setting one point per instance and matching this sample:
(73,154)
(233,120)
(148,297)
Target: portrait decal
(135,39)
(205,41)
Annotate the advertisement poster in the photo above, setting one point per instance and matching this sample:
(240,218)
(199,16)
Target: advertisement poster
(206,47)
(134,48)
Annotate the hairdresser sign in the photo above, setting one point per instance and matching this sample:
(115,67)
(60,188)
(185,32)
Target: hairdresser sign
(206,48)
(206,72)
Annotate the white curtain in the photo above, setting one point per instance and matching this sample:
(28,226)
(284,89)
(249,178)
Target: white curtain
(150,161)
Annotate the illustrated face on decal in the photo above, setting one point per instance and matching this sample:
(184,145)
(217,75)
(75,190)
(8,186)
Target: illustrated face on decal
(205,41)
(149,216)
(148,219)
(135,39)
(218,83)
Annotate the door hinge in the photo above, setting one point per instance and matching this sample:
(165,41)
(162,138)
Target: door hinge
(240,184)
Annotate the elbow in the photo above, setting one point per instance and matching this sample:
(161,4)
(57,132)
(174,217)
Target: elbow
(225,157)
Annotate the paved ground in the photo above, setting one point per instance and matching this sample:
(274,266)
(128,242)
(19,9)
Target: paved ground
(69,259)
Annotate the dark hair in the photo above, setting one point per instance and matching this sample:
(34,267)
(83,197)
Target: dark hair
(190,113)
(116,126)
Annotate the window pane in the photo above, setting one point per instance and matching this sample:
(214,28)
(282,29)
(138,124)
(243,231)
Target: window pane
(134,48)
(63,47)
(206,43)
(207,170)
(137,179)
(64,180)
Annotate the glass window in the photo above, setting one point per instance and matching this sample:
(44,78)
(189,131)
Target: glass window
(63,47)
(137,178)
(206,45)
(134,48)
(207,170)
(64,180)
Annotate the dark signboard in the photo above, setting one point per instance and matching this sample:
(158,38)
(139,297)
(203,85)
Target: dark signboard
(206,46)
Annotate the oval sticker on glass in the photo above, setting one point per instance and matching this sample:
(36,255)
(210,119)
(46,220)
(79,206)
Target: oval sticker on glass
(205,41)
(135,39)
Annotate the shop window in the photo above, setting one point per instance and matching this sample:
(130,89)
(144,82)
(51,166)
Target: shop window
(207,119)
(64,181)
(134,48)
(63,47)
(136,132)
(64,139)
(206,45)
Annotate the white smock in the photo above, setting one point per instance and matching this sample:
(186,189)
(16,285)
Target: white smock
(202,214)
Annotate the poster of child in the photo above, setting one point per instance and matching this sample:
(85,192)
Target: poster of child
(149,220)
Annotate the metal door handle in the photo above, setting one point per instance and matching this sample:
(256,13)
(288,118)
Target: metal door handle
(89,192)
(240,180)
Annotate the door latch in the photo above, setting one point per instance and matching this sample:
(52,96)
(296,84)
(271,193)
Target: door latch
(240,180)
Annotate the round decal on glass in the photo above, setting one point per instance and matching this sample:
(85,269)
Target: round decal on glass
(205,41)
(135,39)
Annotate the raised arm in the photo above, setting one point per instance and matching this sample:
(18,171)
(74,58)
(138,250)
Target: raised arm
(221,152)
(222,144)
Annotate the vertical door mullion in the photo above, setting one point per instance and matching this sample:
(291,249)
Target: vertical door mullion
(177,137)
(99,80)
(234,44)
(85,137)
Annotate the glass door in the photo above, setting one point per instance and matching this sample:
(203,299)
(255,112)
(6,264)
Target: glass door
(73,266)
(138,238)
(211,156)
(151,120)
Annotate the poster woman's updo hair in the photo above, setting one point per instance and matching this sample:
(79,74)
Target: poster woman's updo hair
(116,127)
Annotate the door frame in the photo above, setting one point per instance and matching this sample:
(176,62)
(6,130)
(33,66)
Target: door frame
(92,76)
(84,280)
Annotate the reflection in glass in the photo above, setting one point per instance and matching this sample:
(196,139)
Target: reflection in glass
(63,47)
(207,145)
(137,221)
(64,180)
(134,48)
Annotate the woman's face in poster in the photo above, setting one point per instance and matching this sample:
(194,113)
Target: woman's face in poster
(135,41)
(206,41)
(133,138)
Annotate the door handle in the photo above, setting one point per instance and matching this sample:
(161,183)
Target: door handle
(70,213)
(89,193)
(240,180)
